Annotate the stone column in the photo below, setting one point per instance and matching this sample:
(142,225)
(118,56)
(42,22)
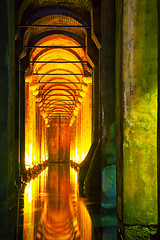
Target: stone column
(90,169)
(158,132)
(21,117)
(108,149)
(136,117)
(7,104)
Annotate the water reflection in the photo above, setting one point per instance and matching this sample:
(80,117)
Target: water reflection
(52,207)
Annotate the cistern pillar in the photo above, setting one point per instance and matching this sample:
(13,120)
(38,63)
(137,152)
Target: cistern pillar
(136,117)
(7,104)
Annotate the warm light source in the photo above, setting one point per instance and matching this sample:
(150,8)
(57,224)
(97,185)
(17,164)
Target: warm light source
(58,84)
(81,129)
(28,157)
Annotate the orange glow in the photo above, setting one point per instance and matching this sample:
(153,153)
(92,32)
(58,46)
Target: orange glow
(58,88)
(28,158)
(35,131)
(58,83)
(81,218)
(52,207)
(81,129)
(85,222)
(30,192)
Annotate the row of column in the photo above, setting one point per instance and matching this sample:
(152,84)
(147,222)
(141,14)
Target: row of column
(81,129)
(36,147)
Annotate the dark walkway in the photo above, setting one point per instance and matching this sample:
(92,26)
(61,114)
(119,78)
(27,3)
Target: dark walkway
(49,207)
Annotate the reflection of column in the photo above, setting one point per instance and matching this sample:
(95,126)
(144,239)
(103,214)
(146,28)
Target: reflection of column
(56,220)
(32,202)
(20,217)
(136,109)
(84,221)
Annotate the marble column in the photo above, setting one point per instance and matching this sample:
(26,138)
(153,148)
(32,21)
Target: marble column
(136,117)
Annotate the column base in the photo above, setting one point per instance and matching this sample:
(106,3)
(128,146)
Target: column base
(139,232)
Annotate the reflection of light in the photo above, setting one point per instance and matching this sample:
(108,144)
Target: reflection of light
(83,155)
(76,158)
(28,191)
(43,158)
(28,158)
(81,218)
(74,183)
(43,176)
(81,129)
(73,176)
(32,189)
(85,222)
(79,158)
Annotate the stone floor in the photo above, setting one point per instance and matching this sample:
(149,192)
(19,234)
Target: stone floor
(50,207)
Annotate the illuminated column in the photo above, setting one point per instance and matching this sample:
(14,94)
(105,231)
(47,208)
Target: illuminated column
(86,122)
(73,141)
(34,130)
(41,138)
(53,140)
(44,136)
(64,141)
(90,169)
(21,151)
(136,117)
(40,135)
(26,121)
(43,141)
(83,129)
(37,134)
(78,137)
(47,143)
(29,161)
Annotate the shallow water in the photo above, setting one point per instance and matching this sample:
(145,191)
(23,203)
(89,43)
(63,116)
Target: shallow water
(50,207)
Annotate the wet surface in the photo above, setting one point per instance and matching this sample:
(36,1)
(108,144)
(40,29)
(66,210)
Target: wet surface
(49,207)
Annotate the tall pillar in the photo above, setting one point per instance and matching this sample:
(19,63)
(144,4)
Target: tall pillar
(21,117)
(27,122)
(7,104)
(108,149)
(90,169)
(158,132)
(136,117)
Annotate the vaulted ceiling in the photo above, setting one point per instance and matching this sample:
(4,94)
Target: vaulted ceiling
(59,69)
